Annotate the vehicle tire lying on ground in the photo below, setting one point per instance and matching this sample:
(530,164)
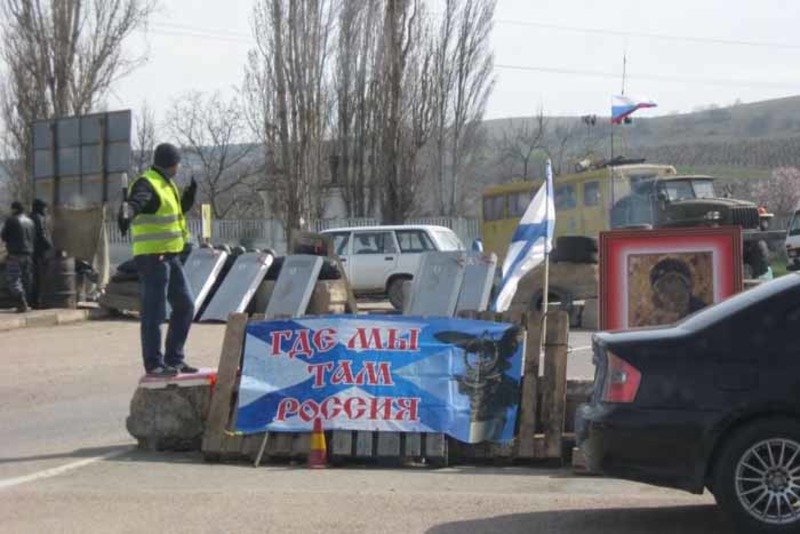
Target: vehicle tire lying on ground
(756,475)
(575,249)
(329,271)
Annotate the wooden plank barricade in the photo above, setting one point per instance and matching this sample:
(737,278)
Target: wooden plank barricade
(541,413)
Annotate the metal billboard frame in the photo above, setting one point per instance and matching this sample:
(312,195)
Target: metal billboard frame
(80,149)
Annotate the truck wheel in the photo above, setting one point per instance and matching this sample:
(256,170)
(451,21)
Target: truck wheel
(395,292)
(756,477)
(575,249)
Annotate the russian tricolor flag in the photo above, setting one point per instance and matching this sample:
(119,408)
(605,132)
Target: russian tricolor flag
(622,106)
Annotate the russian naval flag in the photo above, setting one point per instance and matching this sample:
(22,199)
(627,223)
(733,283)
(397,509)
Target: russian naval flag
(623,106)
(532,241)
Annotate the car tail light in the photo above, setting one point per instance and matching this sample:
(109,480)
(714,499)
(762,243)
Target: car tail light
(622,381)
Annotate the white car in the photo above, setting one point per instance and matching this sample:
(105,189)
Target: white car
(378,259)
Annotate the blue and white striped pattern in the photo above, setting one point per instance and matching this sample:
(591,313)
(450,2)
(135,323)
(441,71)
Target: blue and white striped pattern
(531,243)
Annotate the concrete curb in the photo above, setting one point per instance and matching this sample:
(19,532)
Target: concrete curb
(46,318)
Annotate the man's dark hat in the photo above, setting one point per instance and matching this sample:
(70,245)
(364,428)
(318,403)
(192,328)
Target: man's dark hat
(166,155)
(38,204)
(16,207)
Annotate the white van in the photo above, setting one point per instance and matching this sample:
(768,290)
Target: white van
(378,259)
(793,242)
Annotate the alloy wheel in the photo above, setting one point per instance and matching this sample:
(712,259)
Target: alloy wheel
(767,481)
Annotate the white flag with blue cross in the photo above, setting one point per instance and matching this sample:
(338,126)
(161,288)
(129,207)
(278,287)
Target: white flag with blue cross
(531,243)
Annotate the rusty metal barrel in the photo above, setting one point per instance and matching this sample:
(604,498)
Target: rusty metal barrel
(58,287)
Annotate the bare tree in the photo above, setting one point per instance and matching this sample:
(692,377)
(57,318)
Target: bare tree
(144,142)
(357,81)
(443,87)
(564,135)
(61,58)
(518,144)
(419,119)
(473,84)
(289,90)
(464,82)
(227,168)
(401,27)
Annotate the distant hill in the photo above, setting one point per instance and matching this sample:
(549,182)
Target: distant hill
(736,141)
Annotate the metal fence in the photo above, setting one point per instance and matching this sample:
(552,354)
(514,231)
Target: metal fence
(263,233)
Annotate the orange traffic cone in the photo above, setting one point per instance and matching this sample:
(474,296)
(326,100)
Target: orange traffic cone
(318,455)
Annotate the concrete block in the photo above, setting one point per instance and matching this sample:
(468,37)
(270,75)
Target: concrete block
(170,414)
(41,319)
(71,316)
(12,323)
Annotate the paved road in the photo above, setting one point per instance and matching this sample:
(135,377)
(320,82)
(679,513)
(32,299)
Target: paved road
(67,465)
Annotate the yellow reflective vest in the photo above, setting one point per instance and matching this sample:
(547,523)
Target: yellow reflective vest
(164,231)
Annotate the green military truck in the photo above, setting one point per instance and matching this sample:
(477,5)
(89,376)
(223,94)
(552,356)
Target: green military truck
(690,201)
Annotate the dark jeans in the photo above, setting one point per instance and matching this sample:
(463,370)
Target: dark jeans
(161,278)
(39,266)
(18,276)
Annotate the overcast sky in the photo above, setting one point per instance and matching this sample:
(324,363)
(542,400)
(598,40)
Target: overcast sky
(562,55)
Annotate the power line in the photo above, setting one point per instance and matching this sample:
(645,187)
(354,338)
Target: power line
(222,34)
(200,34)
(650,77)
(217,31)
(624,33)
(239,38)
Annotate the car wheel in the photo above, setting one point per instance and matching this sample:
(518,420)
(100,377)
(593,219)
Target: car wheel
(757,477)
(395,292)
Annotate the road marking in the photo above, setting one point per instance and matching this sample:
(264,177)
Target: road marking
(578,349)
(55,471)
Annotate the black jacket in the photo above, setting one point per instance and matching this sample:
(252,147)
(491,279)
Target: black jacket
(19,234)
(42,244)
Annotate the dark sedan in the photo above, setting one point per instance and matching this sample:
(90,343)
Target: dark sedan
(710,402)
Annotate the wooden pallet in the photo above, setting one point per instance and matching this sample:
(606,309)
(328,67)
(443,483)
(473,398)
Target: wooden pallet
(542,407)
(541,413)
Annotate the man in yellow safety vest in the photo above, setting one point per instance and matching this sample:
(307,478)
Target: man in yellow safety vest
(155,217)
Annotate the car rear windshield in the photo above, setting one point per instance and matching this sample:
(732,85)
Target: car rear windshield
(448,240)
(718,312)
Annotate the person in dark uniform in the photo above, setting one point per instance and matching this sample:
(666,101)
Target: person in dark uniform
(159,235)
(42,248)
(19,234)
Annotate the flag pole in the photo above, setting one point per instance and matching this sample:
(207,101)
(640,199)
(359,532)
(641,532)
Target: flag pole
(546,282)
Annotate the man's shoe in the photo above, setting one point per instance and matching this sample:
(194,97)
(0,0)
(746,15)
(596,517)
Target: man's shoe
(162,372)
(185,368)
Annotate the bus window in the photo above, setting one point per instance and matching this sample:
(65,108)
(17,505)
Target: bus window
(566,199)
(518,203)
(591,193)
(494,208)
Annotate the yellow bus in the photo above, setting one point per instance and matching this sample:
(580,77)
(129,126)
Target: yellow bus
(583,202)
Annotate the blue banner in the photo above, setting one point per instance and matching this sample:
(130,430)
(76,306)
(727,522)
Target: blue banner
(400,374)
